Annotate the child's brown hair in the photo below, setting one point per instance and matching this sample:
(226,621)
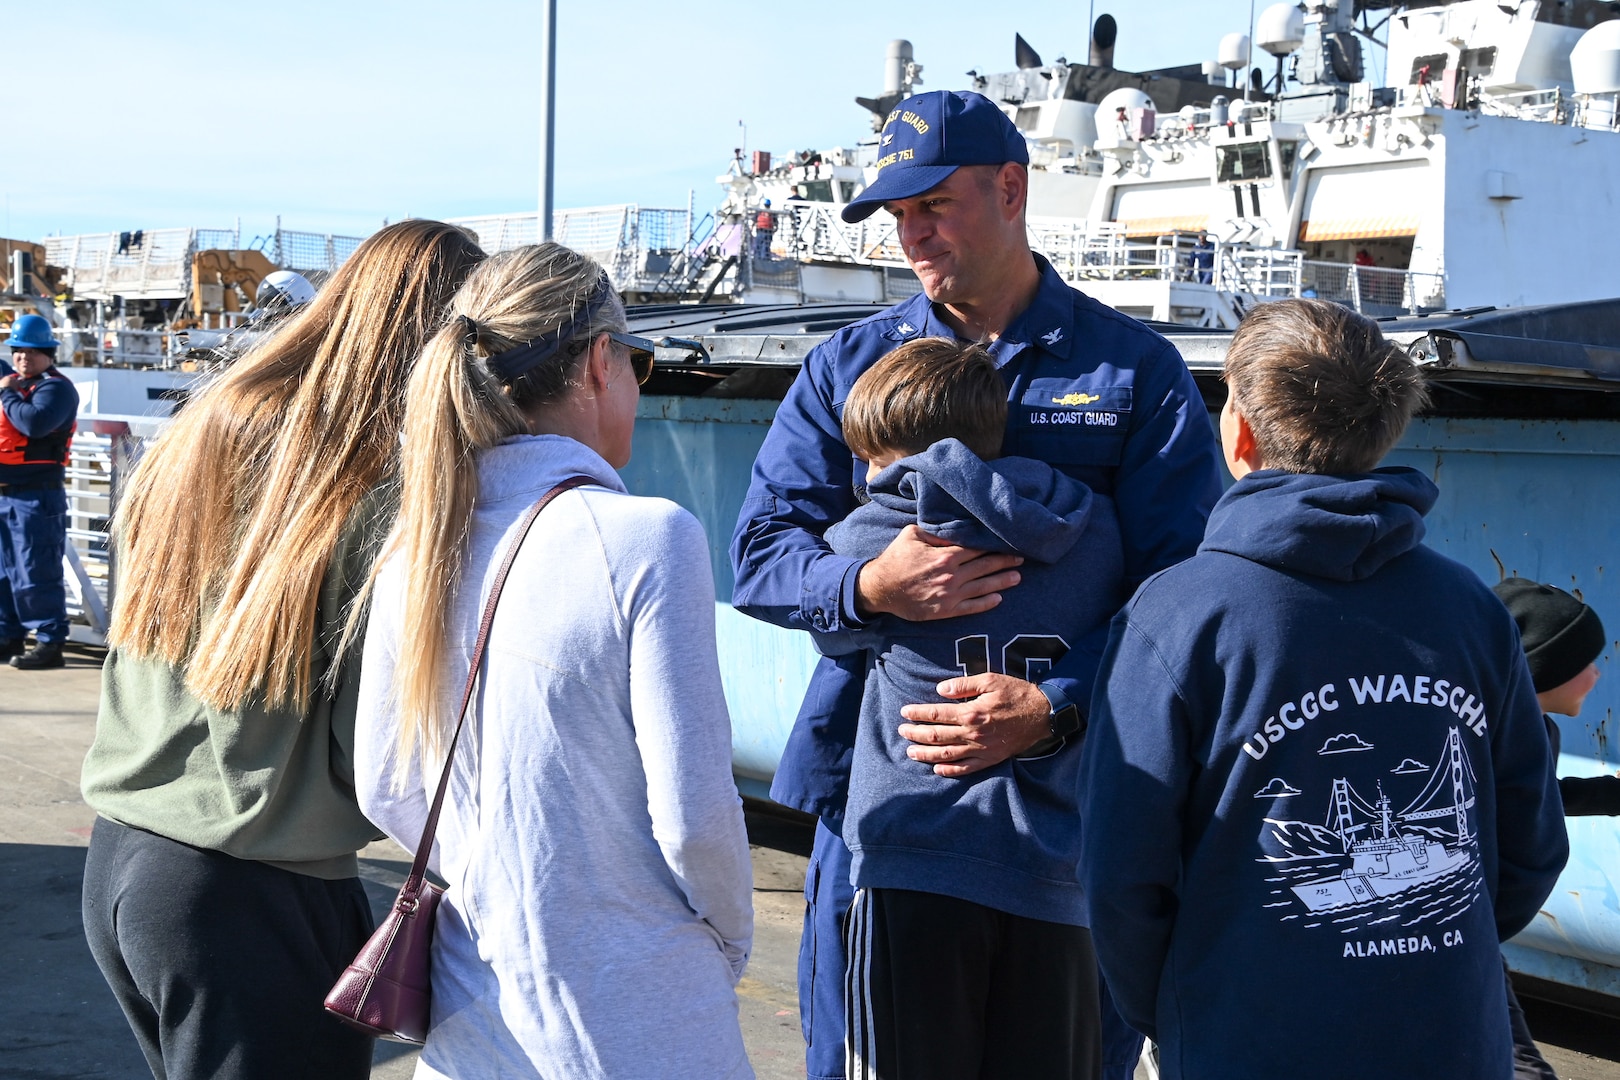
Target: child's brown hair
(1321,388)
(927,390)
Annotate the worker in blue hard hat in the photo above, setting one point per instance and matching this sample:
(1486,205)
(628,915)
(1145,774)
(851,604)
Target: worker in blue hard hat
(37,409)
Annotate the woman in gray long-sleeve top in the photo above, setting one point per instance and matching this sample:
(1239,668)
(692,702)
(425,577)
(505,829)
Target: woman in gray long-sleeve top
(592,836)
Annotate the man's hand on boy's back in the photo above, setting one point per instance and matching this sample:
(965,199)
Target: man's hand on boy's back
(991,718)
(920,577)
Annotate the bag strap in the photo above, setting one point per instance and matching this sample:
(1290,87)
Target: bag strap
(413,881)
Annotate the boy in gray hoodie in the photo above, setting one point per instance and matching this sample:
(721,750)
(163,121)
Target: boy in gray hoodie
(969,953)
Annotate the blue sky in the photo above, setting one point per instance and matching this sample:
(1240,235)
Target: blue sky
(337,115)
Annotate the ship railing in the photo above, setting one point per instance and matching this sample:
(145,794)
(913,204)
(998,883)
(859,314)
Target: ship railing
(305,252)
(769,272)
(502,232)
(1106,252)
(155,264)
(816,233)
(1550,106)
(140,264)
(635,244)
(106,449)
(223,320)
(116,346)
(1270,272)
(672,252)
(101,346)
(605,233)
(1374,290)
(87,560)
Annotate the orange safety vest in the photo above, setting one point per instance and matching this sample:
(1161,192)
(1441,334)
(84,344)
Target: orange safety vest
(764,220)
(18,449)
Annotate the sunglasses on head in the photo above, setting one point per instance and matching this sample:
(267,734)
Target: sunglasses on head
(641,354)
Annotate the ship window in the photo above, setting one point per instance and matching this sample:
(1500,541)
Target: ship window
(1241,162)
(1286,153)
(815,190)
(1028,118)
(846,190)
(1436,63)
(1479,61)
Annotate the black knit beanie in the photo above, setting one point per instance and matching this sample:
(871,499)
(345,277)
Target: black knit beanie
(1561,635)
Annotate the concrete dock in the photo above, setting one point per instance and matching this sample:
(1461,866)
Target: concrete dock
(58,1020)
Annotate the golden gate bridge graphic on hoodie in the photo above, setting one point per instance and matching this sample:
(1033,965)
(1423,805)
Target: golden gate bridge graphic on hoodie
(1369,865)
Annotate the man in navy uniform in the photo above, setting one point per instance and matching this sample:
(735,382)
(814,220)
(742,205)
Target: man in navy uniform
(1090,391)
(37,408)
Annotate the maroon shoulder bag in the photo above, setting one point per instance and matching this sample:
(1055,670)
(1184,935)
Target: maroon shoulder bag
(387,989)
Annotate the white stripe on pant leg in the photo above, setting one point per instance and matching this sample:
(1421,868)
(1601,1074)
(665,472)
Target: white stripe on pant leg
(869,1065)
(852,1032)
(858,1038)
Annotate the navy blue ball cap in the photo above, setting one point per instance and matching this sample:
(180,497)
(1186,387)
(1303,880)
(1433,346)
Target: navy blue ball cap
(929,136)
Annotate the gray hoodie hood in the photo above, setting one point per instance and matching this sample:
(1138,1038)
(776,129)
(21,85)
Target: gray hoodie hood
(1010,505)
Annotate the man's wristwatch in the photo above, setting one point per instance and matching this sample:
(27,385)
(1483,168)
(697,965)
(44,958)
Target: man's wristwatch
(1063,721)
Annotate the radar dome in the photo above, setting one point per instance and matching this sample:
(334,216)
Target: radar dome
(1594,63)
(1280,29)
(1234,51)
(1126,97)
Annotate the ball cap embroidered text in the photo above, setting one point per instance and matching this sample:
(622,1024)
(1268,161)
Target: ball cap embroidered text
(929,136)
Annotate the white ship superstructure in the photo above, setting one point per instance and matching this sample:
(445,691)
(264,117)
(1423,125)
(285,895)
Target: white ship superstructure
(1483,173)
(1482,176)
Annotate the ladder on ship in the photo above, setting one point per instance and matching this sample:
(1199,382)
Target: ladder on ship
(701,265)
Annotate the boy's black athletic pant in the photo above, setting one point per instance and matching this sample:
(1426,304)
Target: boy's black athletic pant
(945,989)
(221,964)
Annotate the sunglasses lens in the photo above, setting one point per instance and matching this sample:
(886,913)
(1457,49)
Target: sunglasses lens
(641,357)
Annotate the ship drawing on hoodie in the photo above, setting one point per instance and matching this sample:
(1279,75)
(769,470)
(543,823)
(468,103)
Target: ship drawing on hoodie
(1366,864)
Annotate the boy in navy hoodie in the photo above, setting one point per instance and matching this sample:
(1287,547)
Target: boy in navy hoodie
(1316,789)
(969,955)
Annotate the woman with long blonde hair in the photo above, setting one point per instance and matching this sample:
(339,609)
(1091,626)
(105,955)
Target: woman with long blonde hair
(221,894)
(592,836)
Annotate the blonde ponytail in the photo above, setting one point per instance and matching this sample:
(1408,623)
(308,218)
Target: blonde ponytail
(456,408)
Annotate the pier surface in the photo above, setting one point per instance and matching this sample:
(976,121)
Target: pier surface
(58,1020)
